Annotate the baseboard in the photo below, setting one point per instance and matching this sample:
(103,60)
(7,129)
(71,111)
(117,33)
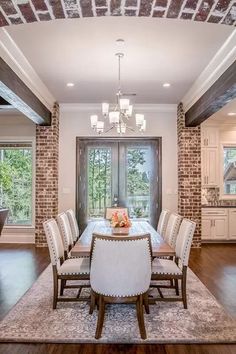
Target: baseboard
(15,235)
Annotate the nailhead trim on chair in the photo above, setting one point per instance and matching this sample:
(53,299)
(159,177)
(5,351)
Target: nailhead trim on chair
(175,231)
(49,234)
(188,245)
(62,228)
(123,240)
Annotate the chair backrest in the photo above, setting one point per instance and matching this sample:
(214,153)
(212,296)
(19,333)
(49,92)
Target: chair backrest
(65,229)
(184,240)
(110,211)
(162,223)
(120,266)
(54,240)
(172,229)
(73,224)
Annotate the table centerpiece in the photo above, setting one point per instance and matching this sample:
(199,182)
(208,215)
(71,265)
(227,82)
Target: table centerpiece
(120,223)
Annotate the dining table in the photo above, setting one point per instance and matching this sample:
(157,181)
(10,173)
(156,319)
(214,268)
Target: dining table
(139,227)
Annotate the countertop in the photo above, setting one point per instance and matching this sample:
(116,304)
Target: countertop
(219,206)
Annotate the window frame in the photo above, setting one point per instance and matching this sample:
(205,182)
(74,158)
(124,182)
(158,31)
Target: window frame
(222,195)
(32,141)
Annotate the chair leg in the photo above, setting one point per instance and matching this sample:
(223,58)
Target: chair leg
(101,314)
(92,302)
(139,309)
(183,289)
(63,283)
(176,287)
(145,301)
(55,289)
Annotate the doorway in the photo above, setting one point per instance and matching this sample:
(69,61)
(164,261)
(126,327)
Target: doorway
(118,172)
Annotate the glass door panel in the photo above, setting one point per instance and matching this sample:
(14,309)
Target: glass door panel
(139,178)
(99,191)
(138,171)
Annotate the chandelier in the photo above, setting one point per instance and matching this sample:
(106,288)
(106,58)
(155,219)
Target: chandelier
(119,114)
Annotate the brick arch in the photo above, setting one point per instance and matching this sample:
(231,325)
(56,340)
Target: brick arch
(14,12)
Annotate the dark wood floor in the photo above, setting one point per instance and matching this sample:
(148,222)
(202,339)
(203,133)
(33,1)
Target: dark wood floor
(20,265)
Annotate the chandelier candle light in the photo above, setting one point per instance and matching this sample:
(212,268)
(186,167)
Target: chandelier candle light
(120,114)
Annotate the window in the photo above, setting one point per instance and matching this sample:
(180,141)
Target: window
(16,186)
(228,190)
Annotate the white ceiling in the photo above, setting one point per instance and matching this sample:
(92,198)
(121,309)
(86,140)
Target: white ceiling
(221,117)
(82,51)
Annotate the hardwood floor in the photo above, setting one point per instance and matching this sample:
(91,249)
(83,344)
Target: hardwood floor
(20,265)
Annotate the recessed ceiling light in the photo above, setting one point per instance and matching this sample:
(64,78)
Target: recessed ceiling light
(70,84)
(166,84)
(120,41)
(232,114)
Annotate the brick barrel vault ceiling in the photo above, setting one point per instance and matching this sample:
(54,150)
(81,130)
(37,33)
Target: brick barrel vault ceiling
(14,12)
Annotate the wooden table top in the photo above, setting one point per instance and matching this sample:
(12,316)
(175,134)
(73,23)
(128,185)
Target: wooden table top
(159,246)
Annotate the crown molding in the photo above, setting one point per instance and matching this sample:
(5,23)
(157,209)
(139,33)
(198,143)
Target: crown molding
(13,56)
(220,62)
(88,107)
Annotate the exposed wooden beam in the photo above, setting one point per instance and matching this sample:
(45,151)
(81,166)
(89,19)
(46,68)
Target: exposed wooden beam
(4,102)
(217,96)
(14,91)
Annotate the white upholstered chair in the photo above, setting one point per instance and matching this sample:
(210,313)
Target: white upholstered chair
(172,229)
(66,233)
(162,223)
(167,269)
(73,224)
(120,272)
(109,211)
(70,269)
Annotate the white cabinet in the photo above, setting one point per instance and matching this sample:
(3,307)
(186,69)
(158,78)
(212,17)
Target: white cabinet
(214,224)
(232,224)
(210,167)
(210,136)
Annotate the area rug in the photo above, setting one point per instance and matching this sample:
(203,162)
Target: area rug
(33,319)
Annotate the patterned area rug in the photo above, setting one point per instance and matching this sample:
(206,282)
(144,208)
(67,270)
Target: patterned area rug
(33,320)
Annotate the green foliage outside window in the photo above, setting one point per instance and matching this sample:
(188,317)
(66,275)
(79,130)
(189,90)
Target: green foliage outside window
(16,184)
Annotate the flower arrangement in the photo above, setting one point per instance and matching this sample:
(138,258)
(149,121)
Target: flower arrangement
(120,220)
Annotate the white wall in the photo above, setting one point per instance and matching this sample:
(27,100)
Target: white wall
(75,121)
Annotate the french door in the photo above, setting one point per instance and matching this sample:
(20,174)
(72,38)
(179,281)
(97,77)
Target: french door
(118,172)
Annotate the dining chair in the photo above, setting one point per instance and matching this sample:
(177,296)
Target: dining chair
(120,273)
(109,211)
(175,270)
(63,270)
(73,224)
(66,233)
(162,223)
(172,229)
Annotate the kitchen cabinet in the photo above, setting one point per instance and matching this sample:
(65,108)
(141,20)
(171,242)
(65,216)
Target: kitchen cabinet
(232,224)
(215,224)
(209,136)
(210,167)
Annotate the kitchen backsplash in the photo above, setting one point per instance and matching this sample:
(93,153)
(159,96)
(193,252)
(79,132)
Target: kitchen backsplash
(210,196)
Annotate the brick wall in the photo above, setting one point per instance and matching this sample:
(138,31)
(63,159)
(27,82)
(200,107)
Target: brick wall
(14,12)
(46,178)
(189,173)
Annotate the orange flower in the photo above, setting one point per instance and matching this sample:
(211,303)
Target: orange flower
(120,220)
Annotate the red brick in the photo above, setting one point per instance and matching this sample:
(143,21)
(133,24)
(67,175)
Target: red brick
(27,12)
(174,8)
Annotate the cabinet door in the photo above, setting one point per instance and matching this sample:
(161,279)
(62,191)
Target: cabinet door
(220,228)
(232,224)
(211,167)
(203,167)
(206,228)
(210,137)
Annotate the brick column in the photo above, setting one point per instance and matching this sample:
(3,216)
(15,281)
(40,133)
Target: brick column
(46,176)
(189,173)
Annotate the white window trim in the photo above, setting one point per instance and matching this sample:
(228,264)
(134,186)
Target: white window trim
(223,196)
(32,140)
